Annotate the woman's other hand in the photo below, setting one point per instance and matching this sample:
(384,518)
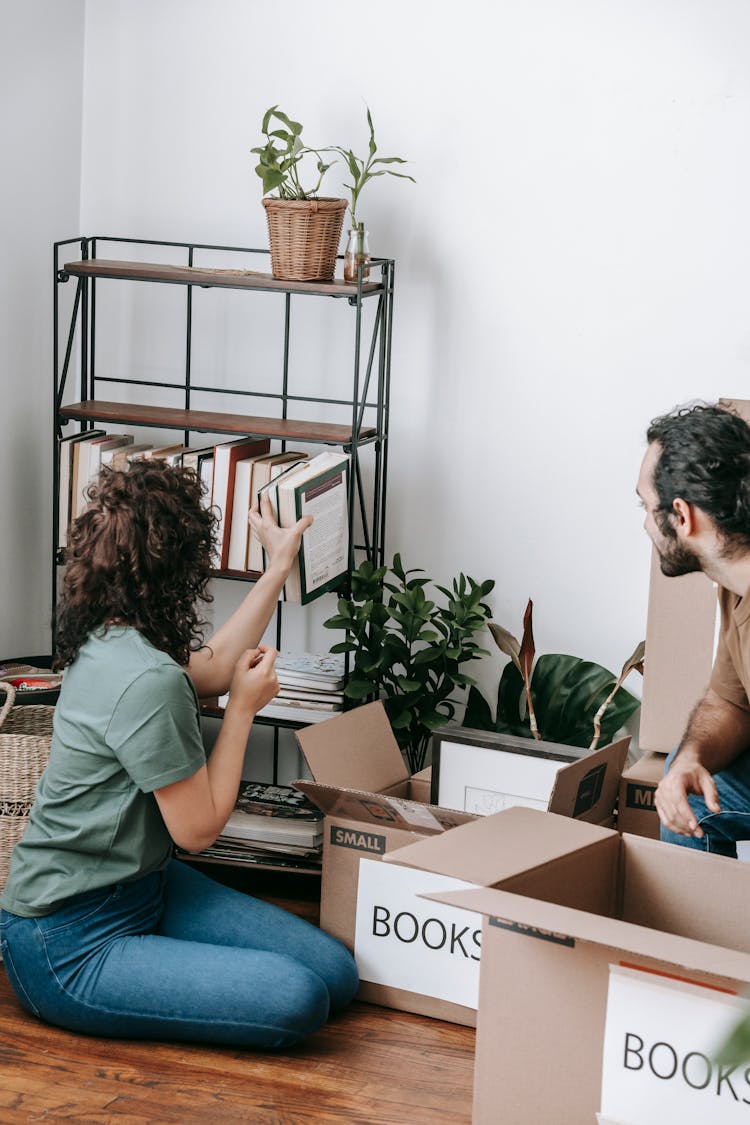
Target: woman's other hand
(254,682)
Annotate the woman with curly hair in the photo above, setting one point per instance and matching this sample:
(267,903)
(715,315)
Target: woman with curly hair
(102,931)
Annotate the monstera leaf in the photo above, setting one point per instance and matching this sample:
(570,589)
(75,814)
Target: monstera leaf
(559,699)
(568,694)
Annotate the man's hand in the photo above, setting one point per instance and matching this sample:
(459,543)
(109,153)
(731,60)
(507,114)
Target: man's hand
(686,775)
(717,733)
(281,544)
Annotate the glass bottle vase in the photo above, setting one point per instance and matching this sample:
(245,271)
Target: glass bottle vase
(357,253)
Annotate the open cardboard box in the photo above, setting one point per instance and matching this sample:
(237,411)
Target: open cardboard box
(363,786)
(590,940)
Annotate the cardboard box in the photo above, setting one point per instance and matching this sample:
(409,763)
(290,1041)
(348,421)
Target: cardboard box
(571,910)
(362,784)
(680,644)
(636,811)
(372,807)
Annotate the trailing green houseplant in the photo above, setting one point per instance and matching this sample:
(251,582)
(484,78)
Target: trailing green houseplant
(409,649)
(303,228)
(281,157)
(559,698)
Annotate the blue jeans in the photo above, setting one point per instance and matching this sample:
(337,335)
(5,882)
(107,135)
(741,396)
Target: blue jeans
(721,830)
(175,955)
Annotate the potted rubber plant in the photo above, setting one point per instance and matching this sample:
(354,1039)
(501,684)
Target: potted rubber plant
(409,648)
(558,698)
(304,228)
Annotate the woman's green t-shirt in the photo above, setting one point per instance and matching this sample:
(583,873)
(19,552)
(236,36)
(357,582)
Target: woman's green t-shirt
(126,723)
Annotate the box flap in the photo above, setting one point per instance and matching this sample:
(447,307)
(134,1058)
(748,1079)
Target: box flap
(497,847)
(536,918)
(587,789)
(680,632)
(356,750)
(381,809)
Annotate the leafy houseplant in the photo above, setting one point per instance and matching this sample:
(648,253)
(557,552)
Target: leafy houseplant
(304,229)
(279,159)
(408,649)
(560,698)
(362,171)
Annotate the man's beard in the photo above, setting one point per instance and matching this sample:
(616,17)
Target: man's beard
(676,559)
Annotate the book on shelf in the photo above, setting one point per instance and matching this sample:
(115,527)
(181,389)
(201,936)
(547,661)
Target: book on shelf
(170,454)
(266,469)
(226,456)
(65,489)
(107,450)
(274,815)
(237,854)
(300,711)
(319,488)
(121,458)
(137,452)
(191,458)
(316,695)
(246,472)
(86,465)
(311,667)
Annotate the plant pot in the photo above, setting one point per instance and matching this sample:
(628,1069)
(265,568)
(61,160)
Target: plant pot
(304,236)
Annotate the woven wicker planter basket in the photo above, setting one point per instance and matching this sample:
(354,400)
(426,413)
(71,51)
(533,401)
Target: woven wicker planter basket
(25,737)
(304,236)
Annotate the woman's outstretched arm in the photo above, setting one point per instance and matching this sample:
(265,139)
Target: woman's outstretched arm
(211,667)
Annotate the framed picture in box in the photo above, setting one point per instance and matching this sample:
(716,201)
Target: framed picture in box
(483,772)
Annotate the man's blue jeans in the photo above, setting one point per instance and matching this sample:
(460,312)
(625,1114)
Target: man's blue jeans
(721,830)
(175,955)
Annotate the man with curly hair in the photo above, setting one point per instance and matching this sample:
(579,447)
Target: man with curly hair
(102,931)
(695,487)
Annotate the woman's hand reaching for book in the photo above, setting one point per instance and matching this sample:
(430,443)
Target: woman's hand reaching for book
(281,544)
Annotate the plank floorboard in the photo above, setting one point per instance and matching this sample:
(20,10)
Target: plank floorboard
(368,1066)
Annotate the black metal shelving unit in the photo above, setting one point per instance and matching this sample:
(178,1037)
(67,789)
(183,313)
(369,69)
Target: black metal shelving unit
(368,305)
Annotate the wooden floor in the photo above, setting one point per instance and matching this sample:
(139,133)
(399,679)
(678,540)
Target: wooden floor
(368,1066)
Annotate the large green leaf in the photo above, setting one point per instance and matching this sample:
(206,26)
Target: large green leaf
(549,688)
(567,693)
(478,714)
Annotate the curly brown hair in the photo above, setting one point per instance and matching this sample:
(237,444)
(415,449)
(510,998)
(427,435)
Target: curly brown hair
(140,555)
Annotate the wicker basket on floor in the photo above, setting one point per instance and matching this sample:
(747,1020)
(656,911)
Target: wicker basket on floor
(304,236)
(25,737)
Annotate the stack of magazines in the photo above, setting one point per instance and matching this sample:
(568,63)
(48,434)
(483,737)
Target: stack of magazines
(272,826)
(311,687)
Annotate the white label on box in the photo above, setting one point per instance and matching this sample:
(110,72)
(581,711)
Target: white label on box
(480,780)
(411,943)
(416,814)
(660,1043)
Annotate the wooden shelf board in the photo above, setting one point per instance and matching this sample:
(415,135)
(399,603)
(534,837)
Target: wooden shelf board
(211,278)
(213,422)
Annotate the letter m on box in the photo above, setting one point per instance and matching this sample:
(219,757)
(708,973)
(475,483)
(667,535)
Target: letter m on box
(640,796)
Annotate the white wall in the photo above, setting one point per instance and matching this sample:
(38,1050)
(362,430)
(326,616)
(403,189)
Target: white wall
(41,73)
(572,261)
